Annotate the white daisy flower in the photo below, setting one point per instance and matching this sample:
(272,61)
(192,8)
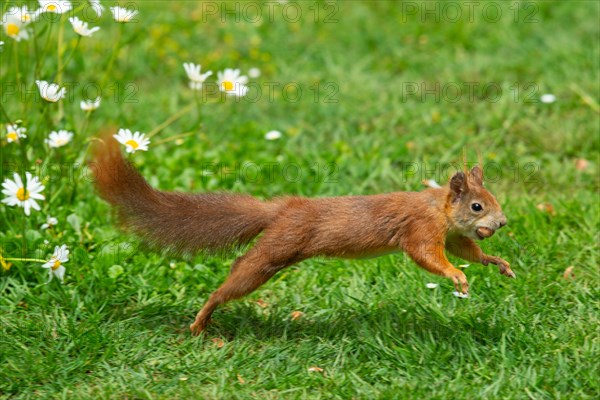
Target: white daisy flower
(231,82)
(18,195)
(254,73)
(14,24)
(51,91)
(25,14)
(90,105)
(81,28)
(431,285)
(193,73)
(548,98)
(273,135)
(59,139)
(55,264)
(121,14)
(50,221)
(97,7)
(460,295)
(14,133)
(54,6)
(133,142)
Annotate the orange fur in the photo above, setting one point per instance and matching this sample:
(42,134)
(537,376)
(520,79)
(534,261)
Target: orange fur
(422,224)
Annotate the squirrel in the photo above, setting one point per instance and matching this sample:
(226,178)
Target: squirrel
(422,224)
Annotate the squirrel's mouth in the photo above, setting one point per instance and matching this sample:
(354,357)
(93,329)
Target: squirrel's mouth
(483,232)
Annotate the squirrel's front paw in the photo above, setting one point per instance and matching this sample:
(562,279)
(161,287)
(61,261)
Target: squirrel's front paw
(502,264)
(198,327)
(460,281)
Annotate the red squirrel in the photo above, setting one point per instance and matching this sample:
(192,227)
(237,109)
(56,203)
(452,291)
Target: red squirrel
(422,224)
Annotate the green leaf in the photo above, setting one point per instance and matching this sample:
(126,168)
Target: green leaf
(115,271)
(73,220)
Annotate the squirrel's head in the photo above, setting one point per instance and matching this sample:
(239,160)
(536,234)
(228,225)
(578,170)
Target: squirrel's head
(474,212)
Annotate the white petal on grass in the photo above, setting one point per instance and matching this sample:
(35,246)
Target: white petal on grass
(54,265)
(121,14)
(548,98)
(132,141)
(254,73)
(81,28)
(14,133)
(50,221)
(54,6)
(59,139)
(97,7)
(464,265)
(431,285)
(273,135)
(90,105)
(232,83)
(25,197)
(195,76)
(15,21)
(460,295)
(50,91)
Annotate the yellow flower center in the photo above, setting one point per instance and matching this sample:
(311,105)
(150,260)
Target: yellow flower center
(227,85)
(22,194)
(12,29)
(132,143)
(60,142)
(56,265)
(12,136)
(25,18)
(52,7)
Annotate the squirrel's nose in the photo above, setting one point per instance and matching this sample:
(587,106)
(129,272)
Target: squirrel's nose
(502,221)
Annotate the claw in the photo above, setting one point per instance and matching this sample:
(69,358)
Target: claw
(197,328)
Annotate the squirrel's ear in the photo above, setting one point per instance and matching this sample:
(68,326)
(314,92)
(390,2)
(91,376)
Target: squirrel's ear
(476,175)
(458,185)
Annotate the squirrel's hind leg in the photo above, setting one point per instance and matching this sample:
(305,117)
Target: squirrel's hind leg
(248,273)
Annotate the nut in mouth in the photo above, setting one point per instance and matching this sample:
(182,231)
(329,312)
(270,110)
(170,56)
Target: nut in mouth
(483,232)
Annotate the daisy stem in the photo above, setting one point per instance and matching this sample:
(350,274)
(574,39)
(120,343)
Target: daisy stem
(17,70)
(85,123)
(23,228)
(79,164)
(67,61)
(198,104)
(35,48)
(175,137)
(25,259)
(38,65)
(61,66)
(24,179)
(8,223)
(59,49)
(171,119)
(46,116)
(3,111)
(113,56)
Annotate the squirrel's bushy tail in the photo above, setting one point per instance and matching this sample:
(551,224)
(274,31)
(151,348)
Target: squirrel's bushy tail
(178,221)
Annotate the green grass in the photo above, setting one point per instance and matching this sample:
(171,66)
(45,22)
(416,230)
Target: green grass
(371,325)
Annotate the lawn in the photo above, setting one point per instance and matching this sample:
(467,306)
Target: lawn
(370,97)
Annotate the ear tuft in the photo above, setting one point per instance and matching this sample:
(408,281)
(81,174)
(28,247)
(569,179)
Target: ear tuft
(458,185)
(476,175)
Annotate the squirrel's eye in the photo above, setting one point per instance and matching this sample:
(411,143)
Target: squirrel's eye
(476,207)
